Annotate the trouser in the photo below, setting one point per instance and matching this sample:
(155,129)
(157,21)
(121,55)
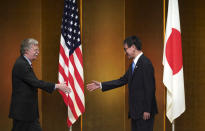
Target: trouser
(19,125)
(142,125)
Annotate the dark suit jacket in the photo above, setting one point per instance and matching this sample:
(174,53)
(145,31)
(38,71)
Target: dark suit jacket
(141,86)
(24,99)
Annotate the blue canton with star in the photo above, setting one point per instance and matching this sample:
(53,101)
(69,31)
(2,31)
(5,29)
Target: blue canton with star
(70,27)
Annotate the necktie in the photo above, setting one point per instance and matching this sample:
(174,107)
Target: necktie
(133,66)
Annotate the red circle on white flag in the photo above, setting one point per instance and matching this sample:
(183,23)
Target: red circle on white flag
(174,51)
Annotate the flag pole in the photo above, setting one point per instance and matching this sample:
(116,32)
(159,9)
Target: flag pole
(173,125)
(81,35)
(70,129)
(164,6)
(81,122)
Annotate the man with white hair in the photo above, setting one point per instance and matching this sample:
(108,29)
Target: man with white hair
(25,84)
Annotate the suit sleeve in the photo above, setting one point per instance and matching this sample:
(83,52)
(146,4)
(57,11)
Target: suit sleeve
(108,85)
(149,84)
(26,74)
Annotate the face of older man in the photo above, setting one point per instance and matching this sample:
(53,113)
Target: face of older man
(32,52)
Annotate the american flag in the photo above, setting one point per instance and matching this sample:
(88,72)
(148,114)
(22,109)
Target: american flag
(71,61)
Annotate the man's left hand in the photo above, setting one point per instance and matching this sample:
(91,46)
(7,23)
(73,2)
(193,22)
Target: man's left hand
(146,115)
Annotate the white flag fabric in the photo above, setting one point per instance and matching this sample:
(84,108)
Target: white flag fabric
(173,77)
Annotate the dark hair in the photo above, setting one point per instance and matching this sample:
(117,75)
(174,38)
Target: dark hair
(133,40)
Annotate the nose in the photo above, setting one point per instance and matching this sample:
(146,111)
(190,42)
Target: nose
(37,52)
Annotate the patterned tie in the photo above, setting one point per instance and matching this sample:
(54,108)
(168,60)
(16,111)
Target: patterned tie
(133,67)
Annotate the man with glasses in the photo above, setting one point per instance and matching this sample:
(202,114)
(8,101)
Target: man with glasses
(141,84)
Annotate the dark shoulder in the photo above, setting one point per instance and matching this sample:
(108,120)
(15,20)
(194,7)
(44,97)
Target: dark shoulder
(20,60)
(147,64)
(20,63)
(145,60)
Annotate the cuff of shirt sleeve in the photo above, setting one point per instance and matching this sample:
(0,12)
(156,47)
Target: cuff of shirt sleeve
(100,85)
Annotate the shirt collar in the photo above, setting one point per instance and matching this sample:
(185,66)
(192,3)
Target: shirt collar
(28,60)
(137,58)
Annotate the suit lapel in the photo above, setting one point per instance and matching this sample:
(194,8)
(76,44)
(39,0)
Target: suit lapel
(27,63)
(130,72)
(138,64)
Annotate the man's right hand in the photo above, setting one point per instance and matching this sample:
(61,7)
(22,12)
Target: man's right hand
(93,86)
(63,87)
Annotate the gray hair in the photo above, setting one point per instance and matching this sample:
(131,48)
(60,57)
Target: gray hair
(26,45)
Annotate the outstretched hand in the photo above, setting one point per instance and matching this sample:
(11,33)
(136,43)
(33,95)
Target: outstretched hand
(63,87)
(93,86)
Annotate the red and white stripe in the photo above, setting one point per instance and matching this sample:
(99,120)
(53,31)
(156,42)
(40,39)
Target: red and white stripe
(71,72)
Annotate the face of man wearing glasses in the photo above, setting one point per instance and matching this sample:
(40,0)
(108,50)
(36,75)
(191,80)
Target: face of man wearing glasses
(32,52)
(130,51)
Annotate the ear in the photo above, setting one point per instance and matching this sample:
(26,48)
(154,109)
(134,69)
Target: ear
(26,51)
